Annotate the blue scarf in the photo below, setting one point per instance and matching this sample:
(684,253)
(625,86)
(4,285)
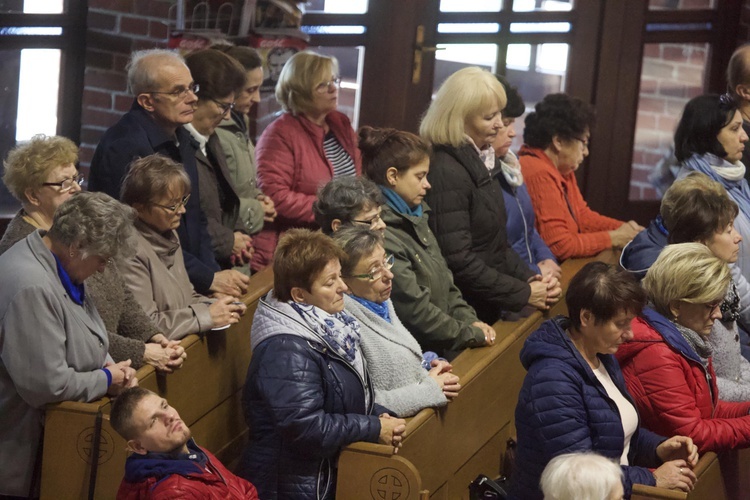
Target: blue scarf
(379,309)
(340,331)
(394,200)
(739,191)
(659,223)
(76,292)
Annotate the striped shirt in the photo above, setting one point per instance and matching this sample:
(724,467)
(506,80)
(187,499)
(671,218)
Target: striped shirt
(337,155)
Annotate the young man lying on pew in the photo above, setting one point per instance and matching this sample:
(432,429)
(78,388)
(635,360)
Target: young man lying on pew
(166,462)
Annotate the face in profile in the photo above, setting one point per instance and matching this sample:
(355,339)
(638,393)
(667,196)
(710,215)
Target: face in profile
(725,244)
(412,184)
(732,137)
(159,428)
(164,214)
(172,103)
(326,291)
(372,279)
(605,337)
(572,152)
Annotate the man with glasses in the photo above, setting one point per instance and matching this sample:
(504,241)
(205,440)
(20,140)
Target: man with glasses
(165,101)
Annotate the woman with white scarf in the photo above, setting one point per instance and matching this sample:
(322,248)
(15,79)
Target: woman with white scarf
(710,139)
(522,233)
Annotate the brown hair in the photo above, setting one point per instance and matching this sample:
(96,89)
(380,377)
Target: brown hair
(218,74)
(383,148)
(248,57)
(150,177)
(121,416)
(300,257)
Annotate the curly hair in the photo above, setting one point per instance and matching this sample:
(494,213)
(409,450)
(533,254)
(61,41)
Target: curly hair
(558,115)
(29,164)
(343,198)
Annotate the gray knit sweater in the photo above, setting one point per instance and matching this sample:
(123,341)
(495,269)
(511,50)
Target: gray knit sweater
(394,360)
(127,325)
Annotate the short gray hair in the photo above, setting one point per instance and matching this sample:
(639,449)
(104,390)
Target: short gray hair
(96,224)
(357,242)
(142,77)
(343,198)
(580,476)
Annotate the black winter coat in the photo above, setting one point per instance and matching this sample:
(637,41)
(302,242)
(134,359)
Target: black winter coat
(303,403)
(469,222)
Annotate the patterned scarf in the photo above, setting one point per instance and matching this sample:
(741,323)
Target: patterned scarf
(340,331)
(730,307)
(511,169)
(700,345)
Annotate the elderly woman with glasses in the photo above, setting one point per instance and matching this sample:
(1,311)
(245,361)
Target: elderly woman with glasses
(556,141)
(347,201)
(158,188)
(310,144)
(41,174)
(308,391)
(405,381)
(667,364)
(53,343)
(710,139)
(221,78)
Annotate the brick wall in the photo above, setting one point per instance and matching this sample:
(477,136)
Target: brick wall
(116,27)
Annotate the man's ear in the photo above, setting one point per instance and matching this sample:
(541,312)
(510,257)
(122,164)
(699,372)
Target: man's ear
(146,101)
(135,446)
(743,90)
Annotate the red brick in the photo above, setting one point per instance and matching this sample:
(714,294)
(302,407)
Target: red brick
(668,123)
(96,99)
(85,154)
(638,174)
(134,25)
(693,91)
(646,121)
(153,8)
(109,5)
(652,50)
(698,56)
(123,102)
(676,53)
(649,193)
(105,80)
(643,157)
(101,21)
(635,193)
(652,104)
(649,86)
(675,106)
(147,44)
(657,69)
(158,29)
(690,75)
(120,61)
(98,59)
(672,89)
(91,135)
(99,118)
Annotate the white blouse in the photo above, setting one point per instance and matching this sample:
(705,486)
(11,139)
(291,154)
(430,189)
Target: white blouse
(628,415)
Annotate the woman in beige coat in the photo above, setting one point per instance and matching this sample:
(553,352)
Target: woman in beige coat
(158,188)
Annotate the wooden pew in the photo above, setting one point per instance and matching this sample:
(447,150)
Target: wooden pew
(206,391)
(445,449)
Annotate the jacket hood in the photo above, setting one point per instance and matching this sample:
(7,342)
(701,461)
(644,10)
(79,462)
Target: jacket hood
(273,317)
(651,327)
(139,468)
(640,254)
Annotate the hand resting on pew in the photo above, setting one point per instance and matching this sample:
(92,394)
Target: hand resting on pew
(392,430)
(163,354)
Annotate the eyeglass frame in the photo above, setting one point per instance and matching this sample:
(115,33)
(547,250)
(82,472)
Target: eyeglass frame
(324,87)
(174,208)
(179,93)
(370,222)
(225,106)
(584,142)
(76,179)
(388,262)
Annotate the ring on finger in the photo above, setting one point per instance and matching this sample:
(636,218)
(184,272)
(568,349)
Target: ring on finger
(680,470)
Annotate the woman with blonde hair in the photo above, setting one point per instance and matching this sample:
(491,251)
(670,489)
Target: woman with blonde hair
(667,364)
(466,198)
(307,146)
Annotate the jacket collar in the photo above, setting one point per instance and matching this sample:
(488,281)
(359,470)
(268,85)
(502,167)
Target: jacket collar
(546,162)
(157,136)
(466,155)
(164,245)
(416,227)
(394,332)
(139,468)
(670,334)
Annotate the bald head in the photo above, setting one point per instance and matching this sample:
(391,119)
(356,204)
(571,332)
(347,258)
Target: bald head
(738,73)
(146,68)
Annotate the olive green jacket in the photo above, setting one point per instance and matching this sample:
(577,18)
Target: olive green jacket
(425,298)
(240,155)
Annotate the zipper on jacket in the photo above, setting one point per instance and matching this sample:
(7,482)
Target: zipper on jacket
(525,226)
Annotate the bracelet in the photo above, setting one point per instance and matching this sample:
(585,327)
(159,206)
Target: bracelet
(109,376)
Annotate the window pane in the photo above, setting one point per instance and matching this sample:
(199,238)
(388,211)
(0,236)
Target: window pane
(468,27)
(472,6)
(32,6)
(542,5)
(536,70)
(672,74)
(451,57)
(337,6)
(333,30)
(351,61)
(539,27)
(681,4)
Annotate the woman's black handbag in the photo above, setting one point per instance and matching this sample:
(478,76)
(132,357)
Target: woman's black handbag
(484,488)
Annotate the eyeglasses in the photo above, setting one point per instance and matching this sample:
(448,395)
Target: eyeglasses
(180,93)
(369,222)
(66,185)
(324,87)
(584,142)
(712,307)
(225,106)
(376,274)
(174,208)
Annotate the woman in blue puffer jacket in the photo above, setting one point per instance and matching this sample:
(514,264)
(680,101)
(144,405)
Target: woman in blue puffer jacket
(308,393)
(574,397)
(520,224)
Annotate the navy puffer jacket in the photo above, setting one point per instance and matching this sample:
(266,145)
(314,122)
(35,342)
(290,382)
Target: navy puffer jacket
(303,403)
(563,408)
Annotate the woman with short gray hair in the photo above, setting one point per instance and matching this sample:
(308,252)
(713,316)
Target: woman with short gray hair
(405,379)
(582,476)
(54,343)
(349,200)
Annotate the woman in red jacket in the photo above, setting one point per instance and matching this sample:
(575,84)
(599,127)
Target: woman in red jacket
(310,144)
(556,141)
(667,365)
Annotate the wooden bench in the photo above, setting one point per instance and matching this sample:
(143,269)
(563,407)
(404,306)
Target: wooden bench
(445,449)
(206,391)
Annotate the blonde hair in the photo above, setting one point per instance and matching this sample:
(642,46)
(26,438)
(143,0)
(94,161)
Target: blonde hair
(301,74)
(466,92)
(689,272)
(28,164)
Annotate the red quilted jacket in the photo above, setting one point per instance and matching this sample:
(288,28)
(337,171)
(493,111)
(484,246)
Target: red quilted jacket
(671,388)
(214,483)
(292,166)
